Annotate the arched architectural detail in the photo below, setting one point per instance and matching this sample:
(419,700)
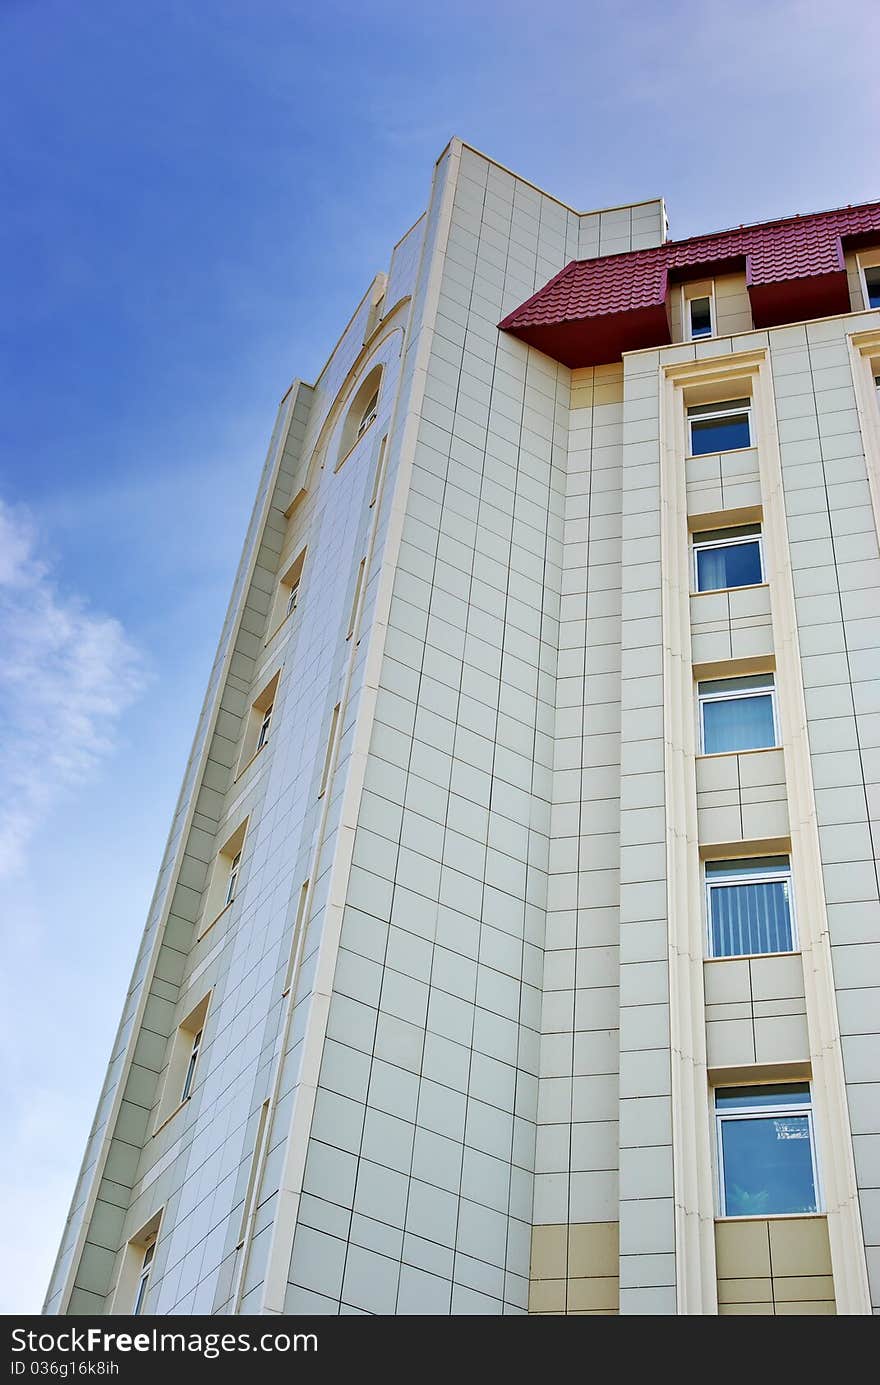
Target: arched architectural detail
(374,353)
(361,412)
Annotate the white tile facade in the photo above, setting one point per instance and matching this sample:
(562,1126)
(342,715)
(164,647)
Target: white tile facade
(478,1040)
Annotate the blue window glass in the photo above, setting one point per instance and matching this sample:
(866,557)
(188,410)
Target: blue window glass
(729,565)
(719,434)
(748,916)
(701,317)
(766,1152)
(719,427)
(738,723)
(872,283)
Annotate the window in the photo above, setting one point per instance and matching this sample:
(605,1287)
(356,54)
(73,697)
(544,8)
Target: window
(748,903)
(872,286)
(369,415)
(297,930)
(698,310)
(143,1280)
(223,879)
(727,558)
(264,727)
(255,1170)
(356,601)
(766,1151)
(737,714)
(136,1268)
(258,723)
(719,427)
(700,317)
(361,413)
(379,472)
(331,751)
(287,594)
(191,1066)
(183,1061)
(232,879)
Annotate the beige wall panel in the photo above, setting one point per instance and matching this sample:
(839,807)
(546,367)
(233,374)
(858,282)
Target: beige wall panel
(778,1266)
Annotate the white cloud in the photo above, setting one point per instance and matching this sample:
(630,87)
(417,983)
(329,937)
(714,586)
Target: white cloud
(66,674)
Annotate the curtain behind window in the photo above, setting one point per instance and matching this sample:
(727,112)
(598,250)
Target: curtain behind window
(738,723)
(752,917)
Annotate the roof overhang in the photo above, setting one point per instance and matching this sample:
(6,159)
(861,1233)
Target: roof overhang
(593,311)
(597,340)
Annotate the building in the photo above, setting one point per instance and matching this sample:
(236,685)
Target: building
(517,943)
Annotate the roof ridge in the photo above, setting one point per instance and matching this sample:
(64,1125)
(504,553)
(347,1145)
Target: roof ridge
(774,221)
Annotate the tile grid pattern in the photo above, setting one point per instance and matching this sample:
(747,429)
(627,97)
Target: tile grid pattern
(489,1029)
(647,1236)
(511,832)
(836,570)
(497,738)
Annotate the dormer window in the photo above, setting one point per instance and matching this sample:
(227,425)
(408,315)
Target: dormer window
(698,310)
(700,317)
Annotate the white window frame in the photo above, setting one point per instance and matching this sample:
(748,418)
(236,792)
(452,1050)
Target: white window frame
(691,293)
(380,471)
(332,748)
(724,409)
(698,546)
(868,259)
(286,596)
(192,1063)
(750,878)
(263,734)
(726,696)
(687,321)
(232,878)
(746,1112)
(369,415)
(143,1279)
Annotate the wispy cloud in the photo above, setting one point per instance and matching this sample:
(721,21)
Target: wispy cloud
(66,674)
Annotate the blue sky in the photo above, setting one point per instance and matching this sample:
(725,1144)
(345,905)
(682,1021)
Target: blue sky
(195,194)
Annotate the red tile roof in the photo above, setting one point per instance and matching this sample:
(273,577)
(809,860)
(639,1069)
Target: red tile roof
(794,270)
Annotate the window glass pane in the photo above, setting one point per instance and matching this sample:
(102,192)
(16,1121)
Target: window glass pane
(753,917)
(697,410)
(734,565)
(738,531)
(368,414)
(738,723)
(746,865)
(752,680)
(768,1166)
(719,434)
(772,1094)
(872,279)
(701,317)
